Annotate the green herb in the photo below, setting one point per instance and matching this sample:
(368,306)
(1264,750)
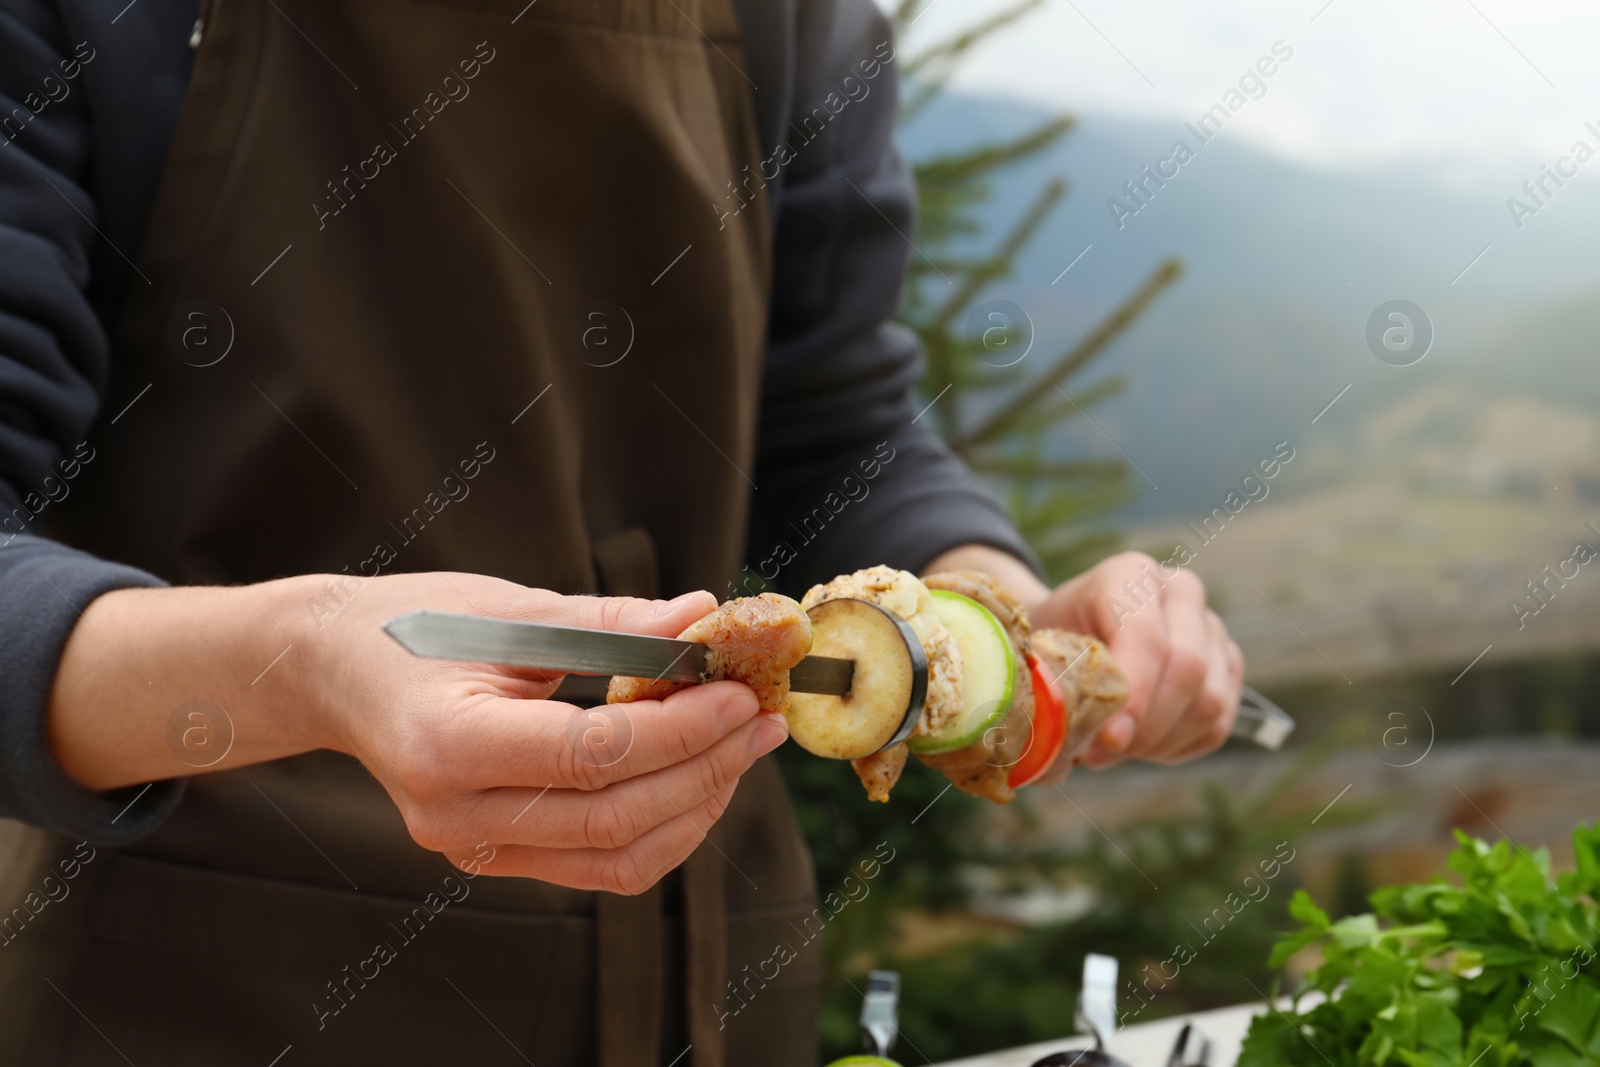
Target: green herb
(1500,970)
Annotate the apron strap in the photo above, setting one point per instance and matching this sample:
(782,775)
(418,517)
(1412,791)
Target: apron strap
(705,907)
(628,933)
(629,978)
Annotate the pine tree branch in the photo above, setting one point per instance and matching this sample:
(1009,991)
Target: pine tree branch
(940,378)
(948,266)
(950,185)
(1050,498)
(1045,524)
(999,264)
(1070,406)
(944,57)
(976,162)
(954,48)
(921,95)
(1049,411)
(1031,467)
(941,347)
(1076,358)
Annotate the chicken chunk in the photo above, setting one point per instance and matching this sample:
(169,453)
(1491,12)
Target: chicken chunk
(1092,684)
(754,640)
(880,771)
(983,767)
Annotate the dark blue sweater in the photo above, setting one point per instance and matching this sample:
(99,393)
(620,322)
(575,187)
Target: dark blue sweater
(90,92)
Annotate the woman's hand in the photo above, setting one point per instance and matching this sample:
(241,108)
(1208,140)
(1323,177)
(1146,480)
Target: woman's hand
(1184,671)
(609,798)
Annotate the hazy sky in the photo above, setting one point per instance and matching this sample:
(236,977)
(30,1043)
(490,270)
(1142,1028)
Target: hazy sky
(1496,85)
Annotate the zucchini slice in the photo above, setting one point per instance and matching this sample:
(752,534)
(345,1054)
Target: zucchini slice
(988,673)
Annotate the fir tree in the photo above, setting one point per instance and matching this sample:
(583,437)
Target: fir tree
(997,415)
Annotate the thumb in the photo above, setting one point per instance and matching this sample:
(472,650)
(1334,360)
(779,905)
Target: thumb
(660,618)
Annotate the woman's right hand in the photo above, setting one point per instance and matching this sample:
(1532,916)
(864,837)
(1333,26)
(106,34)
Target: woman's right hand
(608,798)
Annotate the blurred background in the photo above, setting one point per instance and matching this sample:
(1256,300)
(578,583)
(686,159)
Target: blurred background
(1117,354)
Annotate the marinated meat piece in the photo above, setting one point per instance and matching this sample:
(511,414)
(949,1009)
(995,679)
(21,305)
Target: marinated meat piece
(1092,684)
(979,780)
(943,701)
(991,594)
(754,640)
(1098,683)
(981,769)
(900,591)
(880,771)
(626,690)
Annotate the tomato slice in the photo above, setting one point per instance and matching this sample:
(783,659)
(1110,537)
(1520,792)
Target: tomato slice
(1048,732)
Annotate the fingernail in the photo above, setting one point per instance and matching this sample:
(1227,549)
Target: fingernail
(662,607)
(771,732)
(1100,758)
(1117,734)
(737,710)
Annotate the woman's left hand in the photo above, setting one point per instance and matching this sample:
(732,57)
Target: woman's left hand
(1184,671)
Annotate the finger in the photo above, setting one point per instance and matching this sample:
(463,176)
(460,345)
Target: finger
(1232,686)
(1183,673)
(608,818)
(628,870)
(1207,722)
(1140,649)
(500,742)
(1098,600)
(1161,648)
(1119,601)
(659,618)
(662,618)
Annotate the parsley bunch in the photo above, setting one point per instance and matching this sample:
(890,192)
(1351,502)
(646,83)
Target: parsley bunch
(1501,970)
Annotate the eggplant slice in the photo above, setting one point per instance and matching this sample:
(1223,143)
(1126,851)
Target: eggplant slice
(887,688)
(902,593)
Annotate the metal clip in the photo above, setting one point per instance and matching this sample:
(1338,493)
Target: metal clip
(1097,1003)
(880,1012)
(1262,721)
(1183,1056)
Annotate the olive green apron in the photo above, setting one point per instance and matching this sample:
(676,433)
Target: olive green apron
(434,284)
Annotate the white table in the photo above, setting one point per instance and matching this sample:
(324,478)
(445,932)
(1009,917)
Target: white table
(1144,1045)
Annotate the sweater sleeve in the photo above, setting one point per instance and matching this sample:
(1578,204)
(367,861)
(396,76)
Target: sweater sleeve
(849,475)
(54,365)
